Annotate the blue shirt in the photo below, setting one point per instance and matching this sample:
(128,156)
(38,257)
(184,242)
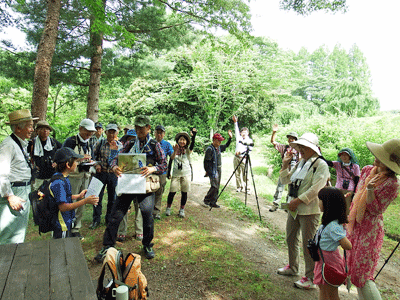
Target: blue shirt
(168,150)
(331,236)
(62,194)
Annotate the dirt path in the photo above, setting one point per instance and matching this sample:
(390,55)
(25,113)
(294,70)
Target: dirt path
(174,282)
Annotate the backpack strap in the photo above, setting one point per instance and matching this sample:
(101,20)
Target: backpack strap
(14,137)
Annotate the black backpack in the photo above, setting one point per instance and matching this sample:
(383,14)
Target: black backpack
(44,208)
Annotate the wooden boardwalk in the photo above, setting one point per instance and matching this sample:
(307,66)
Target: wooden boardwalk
(42,270)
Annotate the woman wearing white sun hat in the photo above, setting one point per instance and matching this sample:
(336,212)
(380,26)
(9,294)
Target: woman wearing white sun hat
(305,180)
(377,188)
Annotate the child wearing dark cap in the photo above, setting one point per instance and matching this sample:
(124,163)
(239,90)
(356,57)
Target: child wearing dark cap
(60,188)
(182,170)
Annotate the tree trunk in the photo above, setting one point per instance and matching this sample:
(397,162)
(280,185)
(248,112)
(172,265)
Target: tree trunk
(96,44)
(44,59)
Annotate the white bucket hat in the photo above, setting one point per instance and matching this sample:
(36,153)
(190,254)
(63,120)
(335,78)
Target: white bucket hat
(309,140)
(388,153)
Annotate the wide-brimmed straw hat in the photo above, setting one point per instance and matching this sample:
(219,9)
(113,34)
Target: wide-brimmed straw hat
(45,124)
(388,153)
(19,116)
(185,135)
(309,140)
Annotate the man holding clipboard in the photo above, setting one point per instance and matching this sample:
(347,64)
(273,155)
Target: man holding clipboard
(156,162)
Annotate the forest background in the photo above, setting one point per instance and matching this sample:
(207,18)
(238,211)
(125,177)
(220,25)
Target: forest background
(112,60)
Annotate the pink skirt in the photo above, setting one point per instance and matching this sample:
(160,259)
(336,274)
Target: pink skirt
(332,258)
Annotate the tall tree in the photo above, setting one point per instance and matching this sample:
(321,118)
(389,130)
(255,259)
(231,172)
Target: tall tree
(44,60)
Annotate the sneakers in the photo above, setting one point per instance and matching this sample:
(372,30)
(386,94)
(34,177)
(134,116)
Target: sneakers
(287,271)
(157,216)
(121,238)
(168,211)
(139,237)
(102,254)
(77,234)
(238,190)
(94,225)
(305,283)
(214,205)
(181,213)
(273,208)
(149,252)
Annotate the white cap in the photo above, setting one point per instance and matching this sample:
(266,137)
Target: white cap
(87,124)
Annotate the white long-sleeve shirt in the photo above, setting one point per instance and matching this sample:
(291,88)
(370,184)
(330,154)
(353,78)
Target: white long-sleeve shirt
(240,142)
(13,166)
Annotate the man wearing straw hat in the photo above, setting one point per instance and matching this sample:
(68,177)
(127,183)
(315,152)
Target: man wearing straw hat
(42,149)
(15,178)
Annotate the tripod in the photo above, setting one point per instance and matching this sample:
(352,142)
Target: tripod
(247,164)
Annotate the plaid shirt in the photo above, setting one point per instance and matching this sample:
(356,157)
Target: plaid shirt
(102,153)
(159,156)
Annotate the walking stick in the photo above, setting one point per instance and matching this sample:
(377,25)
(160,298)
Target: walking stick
(387,260)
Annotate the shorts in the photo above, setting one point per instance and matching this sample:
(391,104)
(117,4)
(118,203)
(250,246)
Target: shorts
(182,183)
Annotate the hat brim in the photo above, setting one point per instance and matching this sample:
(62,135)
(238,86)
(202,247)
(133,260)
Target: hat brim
(22,120)
(305,143)
(185,135)
(380,153)
(45,126)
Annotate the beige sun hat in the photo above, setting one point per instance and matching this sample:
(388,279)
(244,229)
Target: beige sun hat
(388,153)
(45,124)
(185,135)
(19,116)
(309,140)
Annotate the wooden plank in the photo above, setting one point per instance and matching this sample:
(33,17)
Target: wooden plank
(60,287)
(38,281)
(17,277)
(6,259)
(81,283)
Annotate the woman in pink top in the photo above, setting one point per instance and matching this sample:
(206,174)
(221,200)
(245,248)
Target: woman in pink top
(347,174)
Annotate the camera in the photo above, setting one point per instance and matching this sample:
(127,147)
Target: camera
(247,144)
(345,184)
(293,190)
(313,249)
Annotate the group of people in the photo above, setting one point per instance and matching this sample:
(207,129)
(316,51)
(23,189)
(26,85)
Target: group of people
(359,198)
(351,211)
(93,152)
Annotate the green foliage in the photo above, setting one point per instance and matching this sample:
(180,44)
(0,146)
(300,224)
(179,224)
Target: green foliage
(305,7)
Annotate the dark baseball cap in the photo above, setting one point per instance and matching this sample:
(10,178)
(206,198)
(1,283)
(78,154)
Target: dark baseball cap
(64,154)
(98,125)
(160,127)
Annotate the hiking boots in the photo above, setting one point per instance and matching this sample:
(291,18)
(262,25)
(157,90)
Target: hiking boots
(206,203)
(168,211)
(102,254)
(305,283)
(214,205)
(287,271)
(149,252)
(181,213)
